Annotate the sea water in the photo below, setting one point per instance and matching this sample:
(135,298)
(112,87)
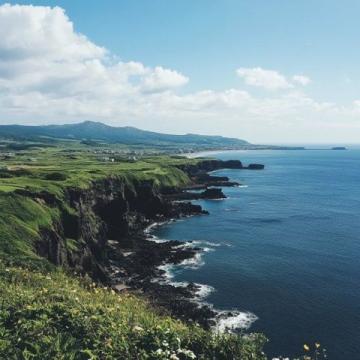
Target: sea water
(283,249)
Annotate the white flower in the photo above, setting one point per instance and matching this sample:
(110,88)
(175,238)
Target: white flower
(158,352)
(138,328)
(174,357)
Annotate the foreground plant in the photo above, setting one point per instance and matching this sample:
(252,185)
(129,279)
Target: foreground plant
(57,316)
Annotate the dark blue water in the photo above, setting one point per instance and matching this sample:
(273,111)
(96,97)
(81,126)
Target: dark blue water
(290,248)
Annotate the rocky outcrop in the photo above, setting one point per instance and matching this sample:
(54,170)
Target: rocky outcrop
(205,166)
(255,167)
(207,194)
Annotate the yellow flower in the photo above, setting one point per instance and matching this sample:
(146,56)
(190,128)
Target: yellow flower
(317,345)
(306,347)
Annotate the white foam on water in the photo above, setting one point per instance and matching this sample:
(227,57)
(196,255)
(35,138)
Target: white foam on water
(168,273)
(151,226)
(155,239)
(193,263)
(203,292)
(204,242)
(226,321)
(234,321)
(179,283)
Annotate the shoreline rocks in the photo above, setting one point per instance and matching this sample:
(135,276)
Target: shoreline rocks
(144,266)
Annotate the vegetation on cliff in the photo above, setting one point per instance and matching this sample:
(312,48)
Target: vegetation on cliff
(53,315)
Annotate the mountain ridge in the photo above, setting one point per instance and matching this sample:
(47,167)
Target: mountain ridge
(97,131)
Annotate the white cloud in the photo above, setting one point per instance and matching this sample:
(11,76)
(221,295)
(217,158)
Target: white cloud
(161,79)
(42,32)
(267,79)
(301,79)
(40,52)
(50,73)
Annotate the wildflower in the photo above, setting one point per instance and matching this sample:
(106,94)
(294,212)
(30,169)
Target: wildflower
(158,352)
(165,343)
(174,357)
(317,345)
(138,328)
(7,270)
(306,347)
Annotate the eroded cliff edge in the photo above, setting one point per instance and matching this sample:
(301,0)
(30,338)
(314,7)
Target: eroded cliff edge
(100,232)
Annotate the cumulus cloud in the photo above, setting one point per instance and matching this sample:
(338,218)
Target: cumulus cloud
(270,79)
(41,52)
(162,79)
(301,79)
(267,79)
(42,32)
(51,73)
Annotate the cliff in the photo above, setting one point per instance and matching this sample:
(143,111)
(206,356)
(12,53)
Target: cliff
(69,243)
(98,230)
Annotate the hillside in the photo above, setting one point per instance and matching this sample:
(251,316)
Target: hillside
(97,131)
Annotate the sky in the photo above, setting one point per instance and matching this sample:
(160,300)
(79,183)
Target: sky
(266,71)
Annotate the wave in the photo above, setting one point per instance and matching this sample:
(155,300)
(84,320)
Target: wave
(225,321)
(204,242)
(232,321)
(203,291)
(155,239)
(194,262)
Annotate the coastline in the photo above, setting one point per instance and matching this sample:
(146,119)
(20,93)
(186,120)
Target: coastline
(150,270)
(231,320)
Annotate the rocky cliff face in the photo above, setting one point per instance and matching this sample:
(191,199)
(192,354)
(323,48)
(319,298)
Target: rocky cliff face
(109,212)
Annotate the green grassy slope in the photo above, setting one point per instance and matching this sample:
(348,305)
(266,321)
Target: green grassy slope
(53,315)
(54,171)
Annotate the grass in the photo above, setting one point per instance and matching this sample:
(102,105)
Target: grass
(54,315)
(53,171)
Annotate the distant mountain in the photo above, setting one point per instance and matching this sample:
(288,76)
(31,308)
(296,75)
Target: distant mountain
(96,131)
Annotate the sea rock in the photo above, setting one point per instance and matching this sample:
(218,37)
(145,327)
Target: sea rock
(256,167)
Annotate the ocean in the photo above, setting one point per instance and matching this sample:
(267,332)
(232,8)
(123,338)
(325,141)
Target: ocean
(284,249)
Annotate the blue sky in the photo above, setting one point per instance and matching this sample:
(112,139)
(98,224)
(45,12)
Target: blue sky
(207,41)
